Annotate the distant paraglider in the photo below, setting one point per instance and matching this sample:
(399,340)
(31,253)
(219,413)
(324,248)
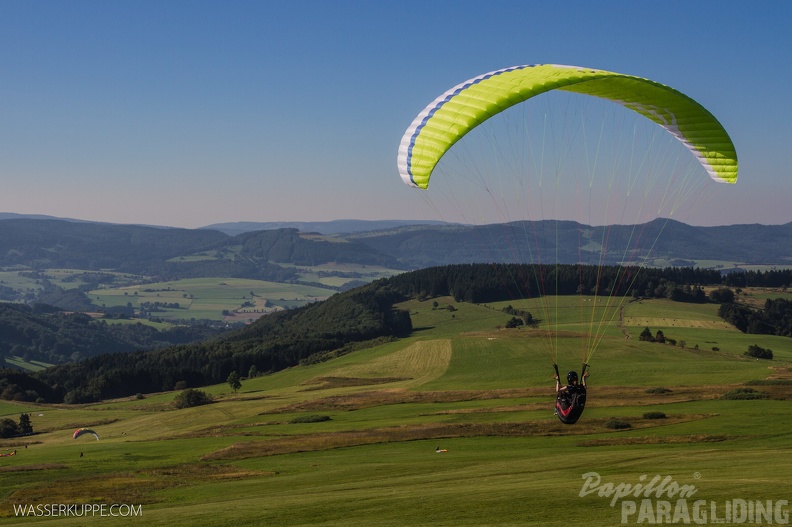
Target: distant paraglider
(82,431)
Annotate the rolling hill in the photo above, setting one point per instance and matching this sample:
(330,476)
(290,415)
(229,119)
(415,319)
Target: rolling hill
(179,253)
(347,321)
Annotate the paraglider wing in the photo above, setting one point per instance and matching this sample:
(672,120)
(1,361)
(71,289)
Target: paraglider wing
(449,117)
(82,431)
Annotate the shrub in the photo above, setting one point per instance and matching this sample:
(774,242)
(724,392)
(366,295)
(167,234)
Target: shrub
(658,390)
(759,352)
(617,424)
(722,295)
(310,419)
(744,394)
(514,322)
(654,415)
(770,382)
(191,397)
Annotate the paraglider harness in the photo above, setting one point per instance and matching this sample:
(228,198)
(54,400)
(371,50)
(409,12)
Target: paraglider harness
(571,402)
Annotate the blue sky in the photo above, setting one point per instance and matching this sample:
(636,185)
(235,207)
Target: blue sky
(191,113)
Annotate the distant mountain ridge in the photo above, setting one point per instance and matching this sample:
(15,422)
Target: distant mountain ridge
(271,253)
(323,227)
(514,242)
(15,216)
(173,253)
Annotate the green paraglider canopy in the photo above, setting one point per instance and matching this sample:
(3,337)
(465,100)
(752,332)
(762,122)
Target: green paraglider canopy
(457,111)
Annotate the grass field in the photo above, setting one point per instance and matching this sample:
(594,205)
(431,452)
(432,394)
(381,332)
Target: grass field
(33,365)
(483,394)
(208,298)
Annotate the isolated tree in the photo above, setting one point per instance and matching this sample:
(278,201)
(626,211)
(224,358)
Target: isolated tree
(233,381)
(660,337)
(646,335)
(253,372)
(25,427)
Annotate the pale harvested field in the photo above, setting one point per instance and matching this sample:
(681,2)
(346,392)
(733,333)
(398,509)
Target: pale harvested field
(654,322)
(421,362)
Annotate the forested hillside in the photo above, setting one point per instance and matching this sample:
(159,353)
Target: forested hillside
(46,334)
(180,253)
(126,248)
(290,246)
(272,343)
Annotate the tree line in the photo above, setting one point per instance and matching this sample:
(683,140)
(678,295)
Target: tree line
(480,283)
(774,319)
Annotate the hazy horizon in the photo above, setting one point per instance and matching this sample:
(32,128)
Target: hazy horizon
(4,214)
(188,114)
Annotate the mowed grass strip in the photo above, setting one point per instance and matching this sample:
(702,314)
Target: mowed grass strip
(661,314)
(331,440)
(658,440)
(604,396)
(419,363)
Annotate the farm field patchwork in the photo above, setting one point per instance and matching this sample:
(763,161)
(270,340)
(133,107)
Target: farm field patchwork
(232,299)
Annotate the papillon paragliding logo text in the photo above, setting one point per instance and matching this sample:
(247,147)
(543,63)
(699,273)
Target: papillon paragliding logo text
(661,500)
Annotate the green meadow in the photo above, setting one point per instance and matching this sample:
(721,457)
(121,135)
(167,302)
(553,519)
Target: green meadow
(354,440)
(335,274)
